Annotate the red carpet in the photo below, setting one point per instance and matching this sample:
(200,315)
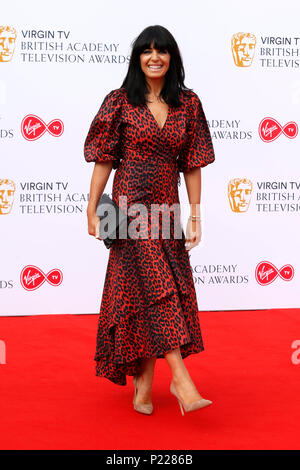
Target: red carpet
(51,399)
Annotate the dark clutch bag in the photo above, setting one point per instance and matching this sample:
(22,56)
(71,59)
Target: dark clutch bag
(112,220)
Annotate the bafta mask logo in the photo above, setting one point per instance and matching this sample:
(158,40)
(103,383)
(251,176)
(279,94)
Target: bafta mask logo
(243,48)
(239,194)
(8,36)
(7,194)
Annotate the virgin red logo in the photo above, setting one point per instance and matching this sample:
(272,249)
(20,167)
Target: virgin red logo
(33,127)
(32,277)
(269,129)
(266,272)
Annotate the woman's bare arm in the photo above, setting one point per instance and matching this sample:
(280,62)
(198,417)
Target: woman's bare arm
(98,182)
(193,186)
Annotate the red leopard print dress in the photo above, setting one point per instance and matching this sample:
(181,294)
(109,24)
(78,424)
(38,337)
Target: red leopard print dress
(149,303)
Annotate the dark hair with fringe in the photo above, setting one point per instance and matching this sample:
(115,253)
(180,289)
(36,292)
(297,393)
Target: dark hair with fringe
(135,80)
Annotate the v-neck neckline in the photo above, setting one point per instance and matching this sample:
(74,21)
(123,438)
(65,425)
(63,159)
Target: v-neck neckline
(168,114)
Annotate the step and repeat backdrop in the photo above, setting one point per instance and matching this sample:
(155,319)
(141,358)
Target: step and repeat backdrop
(57,63)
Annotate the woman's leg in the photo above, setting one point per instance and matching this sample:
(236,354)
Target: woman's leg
(184,385)
(144,380)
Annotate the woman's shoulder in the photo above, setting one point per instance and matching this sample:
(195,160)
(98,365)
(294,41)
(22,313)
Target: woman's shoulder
(192,102)
(190,96)
(116,96)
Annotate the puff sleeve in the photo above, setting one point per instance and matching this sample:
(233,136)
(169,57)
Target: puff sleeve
(198,147)
(103,139)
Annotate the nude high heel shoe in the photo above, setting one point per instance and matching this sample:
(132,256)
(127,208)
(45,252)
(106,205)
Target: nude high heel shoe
(145,408)
(196,405)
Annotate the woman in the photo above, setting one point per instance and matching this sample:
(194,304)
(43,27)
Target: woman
(149,130)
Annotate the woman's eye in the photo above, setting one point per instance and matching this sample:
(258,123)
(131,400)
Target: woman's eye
(161,51)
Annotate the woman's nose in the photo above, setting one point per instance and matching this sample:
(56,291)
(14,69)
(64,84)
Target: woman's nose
(154,55)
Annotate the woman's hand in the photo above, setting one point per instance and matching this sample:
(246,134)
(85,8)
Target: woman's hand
(193,234)
(93,224)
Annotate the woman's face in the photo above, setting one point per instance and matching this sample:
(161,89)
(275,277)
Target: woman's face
(155,63)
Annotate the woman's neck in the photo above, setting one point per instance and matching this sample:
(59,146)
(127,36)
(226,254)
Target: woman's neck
(155,87)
